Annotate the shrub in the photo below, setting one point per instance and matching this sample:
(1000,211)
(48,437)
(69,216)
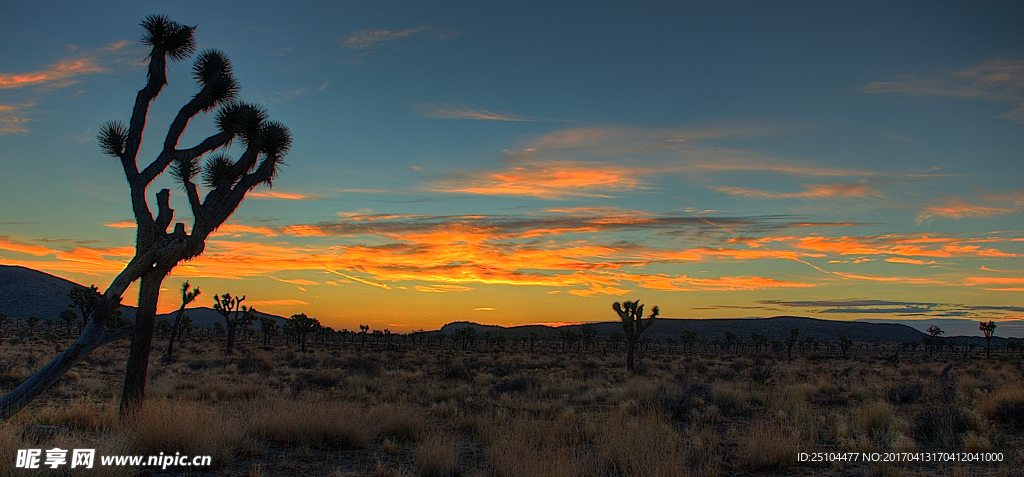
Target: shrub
(905,394)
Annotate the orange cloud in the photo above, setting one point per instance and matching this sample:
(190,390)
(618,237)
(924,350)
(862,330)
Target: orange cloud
(277,303)
(237,230)
(36,250)
(281,195)
(549,180)
(441,288)
(12,118)
(957,208)
(60,72)
(297,281)
(910,261)
(123,224)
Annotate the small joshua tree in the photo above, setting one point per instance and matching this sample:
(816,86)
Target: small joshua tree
(793,333)
(68,317)
(631,314)
(844,344)
(269,328)
(988,329)
(187,296)
(303,325)
(226,305)
(86,300)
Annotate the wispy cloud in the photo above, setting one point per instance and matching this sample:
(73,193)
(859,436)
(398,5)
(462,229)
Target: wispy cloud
(997,80)
(461,111)
(442,288)
(58,74)
(364,42)
(13,118)
(367,39)
(898,308)
(278,303)
(957,207)
(813,191)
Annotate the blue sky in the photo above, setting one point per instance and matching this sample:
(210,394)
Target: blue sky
(532,162)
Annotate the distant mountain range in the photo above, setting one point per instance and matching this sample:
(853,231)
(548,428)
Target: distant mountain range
(25,292)
(776,328)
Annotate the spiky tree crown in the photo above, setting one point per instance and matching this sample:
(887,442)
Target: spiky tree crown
(170,36)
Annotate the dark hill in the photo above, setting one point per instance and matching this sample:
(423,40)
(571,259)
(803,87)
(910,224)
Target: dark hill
(25,292)
(776,328)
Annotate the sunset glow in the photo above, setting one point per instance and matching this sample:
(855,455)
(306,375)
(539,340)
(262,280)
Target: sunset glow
(514,165)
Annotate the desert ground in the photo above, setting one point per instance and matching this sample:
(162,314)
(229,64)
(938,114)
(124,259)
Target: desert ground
(431,408)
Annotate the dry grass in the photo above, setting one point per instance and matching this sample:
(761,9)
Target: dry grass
(445,412)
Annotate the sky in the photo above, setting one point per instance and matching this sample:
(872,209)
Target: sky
(534,162)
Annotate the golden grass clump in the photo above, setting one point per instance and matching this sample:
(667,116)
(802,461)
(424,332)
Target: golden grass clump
(768,447)
(189,427)
(313,422)
(437,454)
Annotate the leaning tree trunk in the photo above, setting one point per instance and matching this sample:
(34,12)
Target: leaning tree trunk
(93,336)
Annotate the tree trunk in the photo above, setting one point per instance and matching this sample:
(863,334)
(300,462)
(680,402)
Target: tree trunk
(93,336)
(142,340)
(175,330)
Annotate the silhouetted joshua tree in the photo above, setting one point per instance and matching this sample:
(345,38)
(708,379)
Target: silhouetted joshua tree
(988,329)
(158,251)
(32,321)
(226,305)
(303,325)
(269,328)
(68,317)
(187,296)
(844,344)
(86,300)
(631,314)
(934,339)
(793,333)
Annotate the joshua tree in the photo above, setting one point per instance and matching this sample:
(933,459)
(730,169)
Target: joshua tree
(187,296)
(86,300)
(934,339)
(687,338)
(844,344)
(269,328)
(793,333)
(988,329)
(631,314)
(32,321)
(303,325)
(226,305)
(4,321)
(758,341)
(588,333)
(158,251)
(68,317)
